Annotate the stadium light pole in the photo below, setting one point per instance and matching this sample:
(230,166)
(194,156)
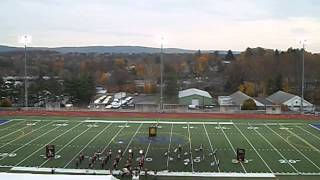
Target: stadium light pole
(302,76)
(25,77)
(161,76)
(25,39)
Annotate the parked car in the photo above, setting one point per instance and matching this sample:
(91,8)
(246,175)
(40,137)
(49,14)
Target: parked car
(109,106)
(192,106)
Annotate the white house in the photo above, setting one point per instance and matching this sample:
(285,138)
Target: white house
(293,102)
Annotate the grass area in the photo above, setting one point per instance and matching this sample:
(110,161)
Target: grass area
(286,148)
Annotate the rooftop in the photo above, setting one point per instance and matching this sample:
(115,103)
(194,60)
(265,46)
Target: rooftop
(192,91)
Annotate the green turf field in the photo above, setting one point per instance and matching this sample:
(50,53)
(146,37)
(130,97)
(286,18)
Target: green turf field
(273,147)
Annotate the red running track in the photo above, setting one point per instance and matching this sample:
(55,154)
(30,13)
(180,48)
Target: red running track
(108,114)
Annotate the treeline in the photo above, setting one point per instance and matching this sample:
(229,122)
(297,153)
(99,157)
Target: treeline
(261,72)
(256,71)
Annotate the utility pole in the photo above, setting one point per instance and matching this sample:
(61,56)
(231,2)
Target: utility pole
(161,76)
(302,78)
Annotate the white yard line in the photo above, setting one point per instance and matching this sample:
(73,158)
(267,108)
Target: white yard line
(105,148)
(148,148)
(303,140)
(274,124)
(309,132)
(253,147)
(87,144)
(159,122)
(11,125)
(275,149)
(211,147)
(168,155)
(132,138)
(150,141)
(232,147)
(128,145)
(20,129)
(66,145)
(25,135)
(30,141)
(41,148)
(294,148)
(191,158)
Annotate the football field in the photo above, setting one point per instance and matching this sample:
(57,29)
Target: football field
(201,148)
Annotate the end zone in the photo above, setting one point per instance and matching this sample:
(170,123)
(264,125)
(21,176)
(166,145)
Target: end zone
(4,121)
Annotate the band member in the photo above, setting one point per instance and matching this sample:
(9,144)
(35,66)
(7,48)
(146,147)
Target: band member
(179,148)
(141,162)
(81,157)
(95,157)
(130,153)
(115,164)
(102,164)
(128,166)
(201,148)
(120,152)
(118,158)
(110,153)
(77,163)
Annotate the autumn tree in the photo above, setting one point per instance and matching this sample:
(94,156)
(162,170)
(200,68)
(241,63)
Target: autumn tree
(149,87)
(120,63)
(249,104)
(5,103)
(201,65)
(103,78)
(140,70)
(247,88)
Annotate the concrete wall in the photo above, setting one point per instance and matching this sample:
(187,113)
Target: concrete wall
(229,109)
(273,109)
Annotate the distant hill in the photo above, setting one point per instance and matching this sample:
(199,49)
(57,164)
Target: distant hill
(112,49)
(8,48)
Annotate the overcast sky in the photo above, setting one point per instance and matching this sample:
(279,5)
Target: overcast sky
(191,24)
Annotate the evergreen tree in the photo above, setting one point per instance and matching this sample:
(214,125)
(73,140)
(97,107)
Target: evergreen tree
(81,88)
(171,82)
(229,56)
